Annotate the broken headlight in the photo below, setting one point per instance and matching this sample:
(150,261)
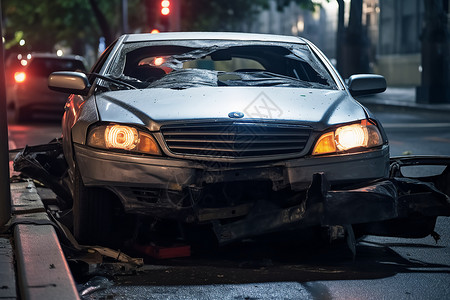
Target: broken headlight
(122,137)
(360,135)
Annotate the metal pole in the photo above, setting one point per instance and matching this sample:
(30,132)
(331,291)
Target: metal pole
(5,191)
(125,16)
(175,16)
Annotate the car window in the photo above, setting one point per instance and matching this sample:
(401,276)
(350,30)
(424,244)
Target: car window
(221,63)
(43,67)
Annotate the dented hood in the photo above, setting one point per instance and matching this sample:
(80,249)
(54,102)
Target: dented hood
(319,106)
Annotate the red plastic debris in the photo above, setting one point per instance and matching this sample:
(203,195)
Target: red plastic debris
(164,252)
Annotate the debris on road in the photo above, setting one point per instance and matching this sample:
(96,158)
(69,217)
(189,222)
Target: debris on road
(164,252)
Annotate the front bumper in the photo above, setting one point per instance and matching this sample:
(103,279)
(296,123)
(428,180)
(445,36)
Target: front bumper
(119,172)
(103,168)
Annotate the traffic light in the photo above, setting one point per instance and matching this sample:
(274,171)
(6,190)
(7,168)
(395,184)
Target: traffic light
(165,7)
(167,16)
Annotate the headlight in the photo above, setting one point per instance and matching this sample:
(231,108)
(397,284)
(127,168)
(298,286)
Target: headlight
(361,135)
(122,137)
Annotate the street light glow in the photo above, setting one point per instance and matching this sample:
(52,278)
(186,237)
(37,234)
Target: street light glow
(59,53)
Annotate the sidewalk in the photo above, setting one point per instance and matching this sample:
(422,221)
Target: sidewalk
(41,270)
(401,97)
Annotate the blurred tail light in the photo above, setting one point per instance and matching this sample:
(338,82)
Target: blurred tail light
(20,77)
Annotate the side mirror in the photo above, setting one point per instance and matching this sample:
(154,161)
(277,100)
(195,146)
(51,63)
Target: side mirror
(365,84)
(69,82)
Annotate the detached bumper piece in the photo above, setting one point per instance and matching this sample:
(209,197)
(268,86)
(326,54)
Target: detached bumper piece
(46,164)
(398,206)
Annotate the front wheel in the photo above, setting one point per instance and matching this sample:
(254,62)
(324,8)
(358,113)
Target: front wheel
(92,214)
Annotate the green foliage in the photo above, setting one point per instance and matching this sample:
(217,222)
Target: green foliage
(72,23)
(46,22)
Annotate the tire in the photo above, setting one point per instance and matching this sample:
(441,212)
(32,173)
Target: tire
(92,214)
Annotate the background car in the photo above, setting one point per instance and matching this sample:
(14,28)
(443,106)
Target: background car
(238,135)
(30,94)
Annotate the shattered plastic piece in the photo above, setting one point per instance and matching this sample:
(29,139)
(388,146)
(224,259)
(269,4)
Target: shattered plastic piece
(160,252)
(94,284)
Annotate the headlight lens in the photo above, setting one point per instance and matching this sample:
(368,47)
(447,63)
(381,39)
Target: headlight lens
(115,136)
(362,135)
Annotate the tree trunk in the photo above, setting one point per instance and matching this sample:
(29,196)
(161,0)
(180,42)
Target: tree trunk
(356,46)
(340,34)
(102,22)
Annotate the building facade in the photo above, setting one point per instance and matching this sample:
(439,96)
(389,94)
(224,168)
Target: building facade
(398,52)
(393,29)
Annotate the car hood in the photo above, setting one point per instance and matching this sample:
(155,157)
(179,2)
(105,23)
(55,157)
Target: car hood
(154,107)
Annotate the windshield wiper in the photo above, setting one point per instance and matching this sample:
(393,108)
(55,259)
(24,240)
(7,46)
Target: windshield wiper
(116,80)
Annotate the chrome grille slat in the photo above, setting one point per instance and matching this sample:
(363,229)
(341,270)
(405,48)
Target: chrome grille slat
(235,139)
(230,133)
(170,140)
(231,150)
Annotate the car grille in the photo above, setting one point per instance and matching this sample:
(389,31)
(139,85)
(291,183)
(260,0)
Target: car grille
(235,139)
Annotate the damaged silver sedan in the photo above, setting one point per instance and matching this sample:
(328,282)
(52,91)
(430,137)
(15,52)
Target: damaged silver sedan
(238,134)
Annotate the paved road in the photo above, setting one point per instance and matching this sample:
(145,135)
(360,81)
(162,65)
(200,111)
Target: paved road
(415,132)
(384,268)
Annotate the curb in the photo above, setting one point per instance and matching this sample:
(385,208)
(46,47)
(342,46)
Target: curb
(42,270)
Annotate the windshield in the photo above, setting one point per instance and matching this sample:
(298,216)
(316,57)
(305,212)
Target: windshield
(180,65)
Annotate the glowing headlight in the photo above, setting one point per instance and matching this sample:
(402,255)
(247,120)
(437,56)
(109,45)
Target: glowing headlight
(351,136)
(122,137)
(362,135)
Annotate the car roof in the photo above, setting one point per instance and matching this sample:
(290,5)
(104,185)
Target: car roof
(232,36)
(52,55)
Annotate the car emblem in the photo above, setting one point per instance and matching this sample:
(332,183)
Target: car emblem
(236,115)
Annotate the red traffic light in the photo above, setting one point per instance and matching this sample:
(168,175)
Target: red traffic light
(165,7)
